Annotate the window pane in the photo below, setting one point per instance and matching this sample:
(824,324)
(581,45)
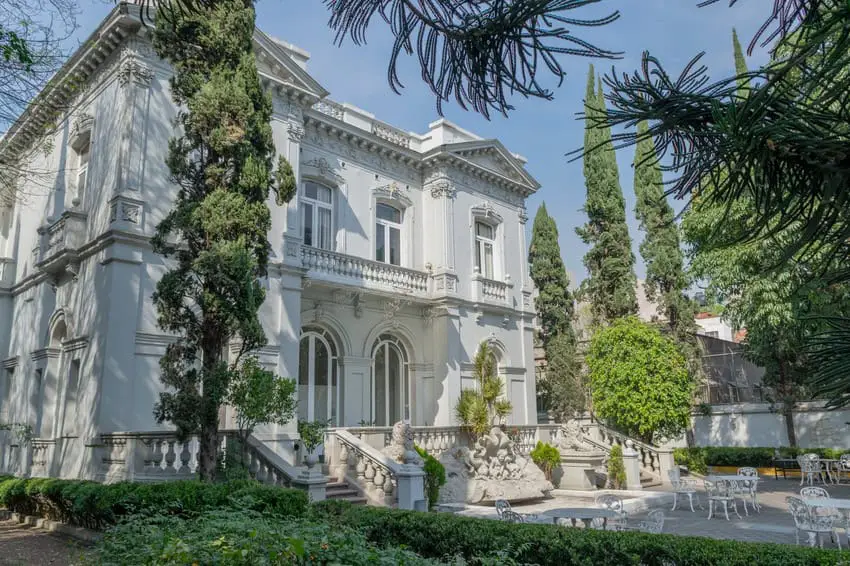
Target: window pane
(395,246)
(478,245)
(308,224)
(484,230)
(81,177)
(303,378)
(324,229)
(394,378)
(323,194)
(488,260)
(310,190)
(321,382)
(387,212)
(380,253)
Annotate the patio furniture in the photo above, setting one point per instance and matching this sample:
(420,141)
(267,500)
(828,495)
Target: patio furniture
(809,467)
(784,465)
(840,507)
(814,492)
(502,505)
(586,515)
(613,503)
(509,516)
(750,486)
(654,523)
(817,499)
(843,467)
(719,492)
(687,486)
(812,524)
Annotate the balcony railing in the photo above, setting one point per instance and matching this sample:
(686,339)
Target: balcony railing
(61,239)
(324,265)
(491,291)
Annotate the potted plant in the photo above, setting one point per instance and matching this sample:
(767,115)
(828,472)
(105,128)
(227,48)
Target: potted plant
(312,435)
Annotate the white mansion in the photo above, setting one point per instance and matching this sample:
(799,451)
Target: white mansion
(401,253)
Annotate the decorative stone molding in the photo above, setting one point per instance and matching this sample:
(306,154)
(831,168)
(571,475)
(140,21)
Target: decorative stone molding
(442,189)
(10,363)
(527,300)
(43,354)
(81,131)
(391,310)
(296,132)
(320,168)
(445,283)
(74,344)
(124,209)
(486,211)
(330,108)
(523,215)
(391,135)
(392,192)
(133,71)
(428,315)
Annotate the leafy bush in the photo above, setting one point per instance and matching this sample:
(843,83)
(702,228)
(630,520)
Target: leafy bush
(241,538)
(616,468)
(441,535)
(94,505)
(547,458)
(435,476)
(698,459)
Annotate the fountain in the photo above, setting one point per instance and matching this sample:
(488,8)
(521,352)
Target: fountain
(579,459)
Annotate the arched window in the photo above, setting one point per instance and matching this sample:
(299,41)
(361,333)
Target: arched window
(317,216)
(390,381)
(388,224)
(318,391)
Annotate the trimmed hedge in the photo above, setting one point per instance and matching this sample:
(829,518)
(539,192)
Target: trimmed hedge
(95,506)
(697,459)
(437,535)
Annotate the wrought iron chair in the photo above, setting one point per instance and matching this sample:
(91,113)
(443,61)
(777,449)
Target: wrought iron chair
(509,516)
(720,493)
(843,468)
(839,521)
(809,467)
(813,525)
(749,487)
(654,523)
(615,504)
(683,486)
(502,505)
(814,492)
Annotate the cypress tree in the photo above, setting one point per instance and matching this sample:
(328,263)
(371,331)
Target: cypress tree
(666,281)
(554,303)
(740,62)
(217,230)
(560,390)
(610,287)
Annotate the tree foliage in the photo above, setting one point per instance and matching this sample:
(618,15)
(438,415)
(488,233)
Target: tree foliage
(479,409)
(562,389)
(639,380)
(216,231)
(554,303)
(259,396)
(610,285)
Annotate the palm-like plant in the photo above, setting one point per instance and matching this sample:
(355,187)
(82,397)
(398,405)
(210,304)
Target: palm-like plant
(480,408)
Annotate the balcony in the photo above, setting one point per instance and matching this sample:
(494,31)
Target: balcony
(61,241)
(490,291)
(342,269)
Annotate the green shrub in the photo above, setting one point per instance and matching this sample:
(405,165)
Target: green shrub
(698,459)
(616,468)
(435,476)
(441,535)
(547,458)
(94,505)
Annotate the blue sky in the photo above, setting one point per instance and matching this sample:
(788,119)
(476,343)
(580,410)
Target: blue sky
(542,131)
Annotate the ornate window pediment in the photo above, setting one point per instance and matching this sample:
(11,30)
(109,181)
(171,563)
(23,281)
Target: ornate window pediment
(486,212)
(392,193)
(81,131)
(318,168)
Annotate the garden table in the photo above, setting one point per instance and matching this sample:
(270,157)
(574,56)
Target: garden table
(729,477)
(583,514)
(828,503)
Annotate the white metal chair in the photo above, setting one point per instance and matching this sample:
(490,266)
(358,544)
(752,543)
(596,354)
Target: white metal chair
(814,492)
(509,516)
(809,468)
(502,505)
(838,520)
(843,468)
(720,493)
(683,486)
(749,487)
(615,504)
(812,524)
(654,523)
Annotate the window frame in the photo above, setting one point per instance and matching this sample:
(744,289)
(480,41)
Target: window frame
(388,226)
(479,246)
(316,205)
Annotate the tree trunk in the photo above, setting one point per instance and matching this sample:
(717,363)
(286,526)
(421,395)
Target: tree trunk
(209,452)
(788,412)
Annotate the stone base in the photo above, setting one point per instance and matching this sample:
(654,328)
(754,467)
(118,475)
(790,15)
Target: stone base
(578,469)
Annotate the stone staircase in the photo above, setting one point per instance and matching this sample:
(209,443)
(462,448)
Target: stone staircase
(340,489)
(647,480)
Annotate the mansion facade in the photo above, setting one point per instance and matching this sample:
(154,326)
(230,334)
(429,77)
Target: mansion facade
(399,256)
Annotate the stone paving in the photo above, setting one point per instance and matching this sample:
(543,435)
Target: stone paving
(25,546)
(772,524)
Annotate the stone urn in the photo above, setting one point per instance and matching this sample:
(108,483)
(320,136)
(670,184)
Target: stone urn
(311,459)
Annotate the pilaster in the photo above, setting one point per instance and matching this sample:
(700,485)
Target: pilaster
(448,347)
(134,79)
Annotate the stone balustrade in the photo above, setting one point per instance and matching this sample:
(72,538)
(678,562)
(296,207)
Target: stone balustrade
(653,460)
(63,237)
(490,290)
(344,269)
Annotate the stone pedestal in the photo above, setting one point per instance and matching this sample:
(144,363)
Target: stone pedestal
(630,462)
(313,482)
(578,469)
(411,488)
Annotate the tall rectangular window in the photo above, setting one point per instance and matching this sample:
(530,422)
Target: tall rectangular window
(485,241)
(388,234)
(6,393)
(317,216)
(71,394)
(82,169)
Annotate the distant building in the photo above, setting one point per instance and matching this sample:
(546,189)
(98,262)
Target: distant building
(713,325)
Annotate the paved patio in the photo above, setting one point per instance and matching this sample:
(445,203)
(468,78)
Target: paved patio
(772,524)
